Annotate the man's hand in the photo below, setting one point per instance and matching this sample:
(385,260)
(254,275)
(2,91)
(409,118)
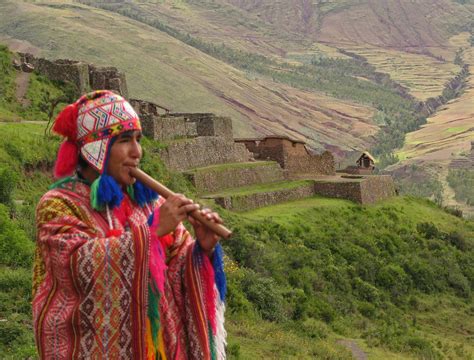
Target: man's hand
(206,238)
(174,210)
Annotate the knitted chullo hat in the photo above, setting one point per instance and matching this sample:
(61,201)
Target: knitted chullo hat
(90,126)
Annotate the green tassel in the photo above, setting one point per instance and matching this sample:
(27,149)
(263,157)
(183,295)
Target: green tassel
(154,312)
(212,344)
(94,197)
(131,192)
(60,183)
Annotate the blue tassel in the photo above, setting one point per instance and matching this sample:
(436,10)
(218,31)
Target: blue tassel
(219,275)
(151,218)
(109,192)
(143,195)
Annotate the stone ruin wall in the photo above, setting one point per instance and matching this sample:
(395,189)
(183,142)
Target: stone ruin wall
(193,139)
(216,179)
(84,76)
(376,188)
(257,200)
(339,190)
(207,131)
(293,156)
(367,190)
(202,151)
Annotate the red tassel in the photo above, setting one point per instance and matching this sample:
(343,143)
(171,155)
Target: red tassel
(68,156)
(114,233)
(66,122)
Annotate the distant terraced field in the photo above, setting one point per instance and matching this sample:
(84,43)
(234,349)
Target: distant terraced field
(423,75)
(448,132)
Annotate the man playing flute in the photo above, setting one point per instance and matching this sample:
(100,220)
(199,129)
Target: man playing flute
(116,273)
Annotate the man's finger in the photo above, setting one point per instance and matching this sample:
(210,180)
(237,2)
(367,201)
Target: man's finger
(186,209)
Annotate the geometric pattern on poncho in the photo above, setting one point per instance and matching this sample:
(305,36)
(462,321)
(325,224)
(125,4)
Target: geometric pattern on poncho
(112,270)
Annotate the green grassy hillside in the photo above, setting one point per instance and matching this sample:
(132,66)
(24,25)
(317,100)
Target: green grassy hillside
(395,277)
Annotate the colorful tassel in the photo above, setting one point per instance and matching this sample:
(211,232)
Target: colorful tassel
(131,192)
(207,272)
(68,157)
(94,195)
(142,194)
(109,192)
(65,123)
(219,275)
(154,311)
(59,184)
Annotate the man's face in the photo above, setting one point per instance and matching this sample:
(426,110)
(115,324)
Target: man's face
(125,154)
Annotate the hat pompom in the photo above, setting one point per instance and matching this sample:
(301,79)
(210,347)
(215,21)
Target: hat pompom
(68,156)
(66,122)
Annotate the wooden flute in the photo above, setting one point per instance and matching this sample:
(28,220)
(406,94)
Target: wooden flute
(162,190)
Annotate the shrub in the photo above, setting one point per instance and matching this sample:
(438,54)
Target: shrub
(422,347)
(428,230)
(15,247)
(314,329)
(8,180)
(393,278)
(265,295)
(458,240)
(365,291)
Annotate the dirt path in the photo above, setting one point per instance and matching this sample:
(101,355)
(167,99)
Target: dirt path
(357,352)
(22,81)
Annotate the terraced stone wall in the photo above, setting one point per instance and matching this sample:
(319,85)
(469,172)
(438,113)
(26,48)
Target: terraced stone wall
(466,162)
(208,124)
(261,199)
(292,155)
(84,76)
(349,190)
(167,128)
(376,188)
(213,179)
(203,151)
(363,190)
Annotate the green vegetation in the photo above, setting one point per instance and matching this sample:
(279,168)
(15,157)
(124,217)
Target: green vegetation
(43,99)
(367,272)
(462,181)
(307,271)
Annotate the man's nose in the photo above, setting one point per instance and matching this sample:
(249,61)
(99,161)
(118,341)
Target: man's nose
(136,150)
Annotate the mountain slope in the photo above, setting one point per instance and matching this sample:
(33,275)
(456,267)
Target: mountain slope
(162,67)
